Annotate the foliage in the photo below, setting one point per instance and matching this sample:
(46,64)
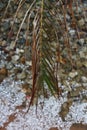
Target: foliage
(46,23)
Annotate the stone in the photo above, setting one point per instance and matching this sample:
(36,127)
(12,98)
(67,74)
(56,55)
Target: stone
(84,79)
(6,50)
(29,63)
(27,1)
(85,85)
(72,32)
(6,26)
(12,45)
(84,64)
(81,22)
(21,76)
(19,51)
(78,126)
(3,43)
(28,53)
(24,26)
(15,58)
(17,70)
(3,73)
(84,1)
(81,42)
(10,66)
(1,5)
(73,74)
(11,53)
(82,54)
(26,89)
(32,14)
(29,81)
(73,94)
(8,58)
(22,60)
(20,14)
(21,41)
(79,9)
(85,19)
(65,109)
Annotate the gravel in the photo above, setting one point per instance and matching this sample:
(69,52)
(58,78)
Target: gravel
(48,110)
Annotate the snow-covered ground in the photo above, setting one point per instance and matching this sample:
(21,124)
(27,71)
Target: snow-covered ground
(12,96)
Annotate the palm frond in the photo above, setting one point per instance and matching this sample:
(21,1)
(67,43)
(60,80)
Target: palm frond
(44,66)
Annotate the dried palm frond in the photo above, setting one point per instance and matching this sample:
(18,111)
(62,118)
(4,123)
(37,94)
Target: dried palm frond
(44,66)
(45,28)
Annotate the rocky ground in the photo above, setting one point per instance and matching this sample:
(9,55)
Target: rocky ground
(16,79)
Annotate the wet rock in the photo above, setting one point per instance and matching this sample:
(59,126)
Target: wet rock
(53,128)
(78,126)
